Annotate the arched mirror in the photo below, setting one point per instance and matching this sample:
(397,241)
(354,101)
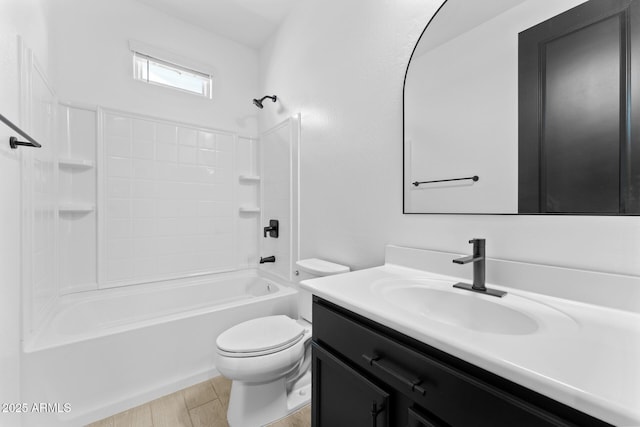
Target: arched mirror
(464,90)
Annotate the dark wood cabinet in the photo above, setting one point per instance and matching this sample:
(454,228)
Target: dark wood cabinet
(337,386)
(361,367)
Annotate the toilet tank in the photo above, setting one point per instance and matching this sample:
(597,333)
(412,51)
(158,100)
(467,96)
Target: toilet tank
(309,269)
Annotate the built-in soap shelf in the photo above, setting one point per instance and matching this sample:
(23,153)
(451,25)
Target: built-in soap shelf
(76,208)
(249,210)
(71,163)
(249,178)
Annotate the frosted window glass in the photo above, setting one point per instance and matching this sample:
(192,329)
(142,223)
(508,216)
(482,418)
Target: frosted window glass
(155,71)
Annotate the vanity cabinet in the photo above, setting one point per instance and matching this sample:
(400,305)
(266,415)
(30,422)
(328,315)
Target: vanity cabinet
(366,374)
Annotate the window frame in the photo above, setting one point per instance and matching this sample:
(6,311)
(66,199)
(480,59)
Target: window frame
(143,76)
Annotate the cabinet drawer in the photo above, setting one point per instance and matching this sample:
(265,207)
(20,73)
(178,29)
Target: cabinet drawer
(456,397)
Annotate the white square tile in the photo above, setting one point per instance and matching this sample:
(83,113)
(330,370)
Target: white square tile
(224,159)
(188,173)
(204,192)
(143,130)
(206,174)
(143,189)
(223,241)
(118,146)
(188,209)
(167,134)
(206,157)
(143,150)
(144,169)
(144,247)
(206,140)
(224,176)
(119,208)
(118,187)
(206,209)
(220,192)
(187,137)
(119,228)
(166,152)
(206,225)
(143,208)
(222,260)
(119,167)
(167,245)
(167,208)
(167,171)
(222,225)
(145,267)
(168,227)
(187,154)
(119,248)
(117,126)
(119,269)
(144,227)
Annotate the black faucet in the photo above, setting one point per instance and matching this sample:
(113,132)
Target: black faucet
(267,259)
(479,269)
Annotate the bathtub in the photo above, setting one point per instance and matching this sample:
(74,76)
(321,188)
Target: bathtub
(114,349)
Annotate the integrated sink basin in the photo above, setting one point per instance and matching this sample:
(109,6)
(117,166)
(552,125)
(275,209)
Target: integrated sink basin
(438,300)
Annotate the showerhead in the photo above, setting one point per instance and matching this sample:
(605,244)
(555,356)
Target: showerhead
(258,102)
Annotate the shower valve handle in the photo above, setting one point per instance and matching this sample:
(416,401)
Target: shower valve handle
(272,229)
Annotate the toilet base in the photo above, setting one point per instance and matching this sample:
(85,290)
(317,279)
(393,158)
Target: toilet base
(258,404)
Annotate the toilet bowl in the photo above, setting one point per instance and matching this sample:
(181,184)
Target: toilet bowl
(268,359)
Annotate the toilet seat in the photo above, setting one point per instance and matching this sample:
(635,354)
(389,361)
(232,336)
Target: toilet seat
(260,337)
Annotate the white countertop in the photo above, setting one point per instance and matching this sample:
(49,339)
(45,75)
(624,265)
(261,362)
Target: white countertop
(588,357)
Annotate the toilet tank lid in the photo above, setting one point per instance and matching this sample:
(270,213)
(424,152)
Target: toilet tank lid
(320,267)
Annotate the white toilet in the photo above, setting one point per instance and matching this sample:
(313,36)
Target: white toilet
(269,358)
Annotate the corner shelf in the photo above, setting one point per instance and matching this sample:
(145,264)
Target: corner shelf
(249,178)
(68,208)
(251,210)
(69,163)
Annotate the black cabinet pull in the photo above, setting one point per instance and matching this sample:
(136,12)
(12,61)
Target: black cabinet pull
(395,372)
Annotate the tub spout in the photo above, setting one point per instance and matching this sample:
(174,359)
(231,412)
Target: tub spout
(267,259)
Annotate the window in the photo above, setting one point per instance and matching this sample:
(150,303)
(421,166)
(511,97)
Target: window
(163,73)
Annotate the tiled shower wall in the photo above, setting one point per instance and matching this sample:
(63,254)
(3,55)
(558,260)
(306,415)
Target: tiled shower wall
(170,205)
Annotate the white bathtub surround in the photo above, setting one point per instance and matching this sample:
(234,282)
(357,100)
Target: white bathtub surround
(169,200)
(583,347)
(109,353)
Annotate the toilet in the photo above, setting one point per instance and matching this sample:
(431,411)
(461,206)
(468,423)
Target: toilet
(269,358)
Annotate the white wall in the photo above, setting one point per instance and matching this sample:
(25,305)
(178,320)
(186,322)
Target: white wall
(341,64)
(27,19)
(93,64)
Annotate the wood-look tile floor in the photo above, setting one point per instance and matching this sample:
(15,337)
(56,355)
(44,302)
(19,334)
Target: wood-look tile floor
(202,405)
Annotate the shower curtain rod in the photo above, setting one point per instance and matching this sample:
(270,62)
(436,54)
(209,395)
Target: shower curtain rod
(13,141)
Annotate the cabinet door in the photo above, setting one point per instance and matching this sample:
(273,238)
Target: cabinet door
(344,398)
